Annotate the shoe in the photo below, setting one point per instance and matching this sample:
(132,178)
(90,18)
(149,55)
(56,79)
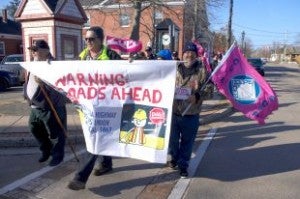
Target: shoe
(76,185)
(55,162)
(172,165)
(102,170)
(44,157)
(183,173)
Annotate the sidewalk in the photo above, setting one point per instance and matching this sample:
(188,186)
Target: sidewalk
(14,129)
(130,178)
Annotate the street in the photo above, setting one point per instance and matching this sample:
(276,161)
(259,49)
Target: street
(246,160)
(243,159)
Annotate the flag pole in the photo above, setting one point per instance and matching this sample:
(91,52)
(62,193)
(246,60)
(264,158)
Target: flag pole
(58,120)
(211,75)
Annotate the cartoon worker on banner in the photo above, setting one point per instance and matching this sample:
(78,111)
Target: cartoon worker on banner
(137,134)
(144,126)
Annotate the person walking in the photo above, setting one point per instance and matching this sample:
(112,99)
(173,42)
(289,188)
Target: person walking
(43,122)
(95,50)
(149,53)
(175,56)
(191,75)
(164,54)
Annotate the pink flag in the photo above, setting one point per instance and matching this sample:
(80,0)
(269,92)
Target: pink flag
(199,47)
(124,45)
(244,87)
(203,55)
(206,62)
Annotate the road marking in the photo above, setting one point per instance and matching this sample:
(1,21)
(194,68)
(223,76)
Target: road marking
(34,175)
(182,184)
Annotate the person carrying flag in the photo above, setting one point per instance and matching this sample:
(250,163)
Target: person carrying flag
(191,76)
(43,123)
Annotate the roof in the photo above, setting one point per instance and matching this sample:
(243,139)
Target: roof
(53,7)
(51,4)
(10,27)
(87,3)
(164,25)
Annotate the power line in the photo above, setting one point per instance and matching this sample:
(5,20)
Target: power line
(265,31)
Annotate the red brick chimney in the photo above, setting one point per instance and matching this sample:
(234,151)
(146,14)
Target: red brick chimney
(4,16)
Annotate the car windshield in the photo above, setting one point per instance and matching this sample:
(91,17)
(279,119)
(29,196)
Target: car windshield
(255,62)
(13,59)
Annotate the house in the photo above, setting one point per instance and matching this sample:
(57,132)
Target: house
(293,54)
(59,22)
(288,53)
(10,36)
(164,26)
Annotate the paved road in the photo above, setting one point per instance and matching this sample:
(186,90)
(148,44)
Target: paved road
(247,160)
(243,160)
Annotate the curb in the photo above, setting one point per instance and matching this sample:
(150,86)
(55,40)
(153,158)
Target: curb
(14,142)
(31,142)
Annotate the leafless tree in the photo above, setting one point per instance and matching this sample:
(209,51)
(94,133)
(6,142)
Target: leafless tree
(12,7)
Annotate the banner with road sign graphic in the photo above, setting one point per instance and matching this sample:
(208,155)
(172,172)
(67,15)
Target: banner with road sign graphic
(125,108)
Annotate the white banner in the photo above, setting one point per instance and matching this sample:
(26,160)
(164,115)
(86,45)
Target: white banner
(125,108)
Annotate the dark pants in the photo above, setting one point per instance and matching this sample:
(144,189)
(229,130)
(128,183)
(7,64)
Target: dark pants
(43,125)
(84,173)
(183,133)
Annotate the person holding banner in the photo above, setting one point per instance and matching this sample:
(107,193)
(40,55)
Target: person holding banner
(95,50)
(45,125)
(149,53)
(190,92)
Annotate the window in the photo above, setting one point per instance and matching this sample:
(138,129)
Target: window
(69,47)
(88,22)
(2,48)
(124,20)
(158,17)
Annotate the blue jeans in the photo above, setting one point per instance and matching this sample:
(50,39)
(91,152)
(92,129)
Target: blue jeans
(84,173)
(183,133)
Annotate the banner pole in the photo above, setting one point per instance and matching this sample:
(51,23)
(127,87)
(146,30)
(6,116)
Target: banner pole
(59,121)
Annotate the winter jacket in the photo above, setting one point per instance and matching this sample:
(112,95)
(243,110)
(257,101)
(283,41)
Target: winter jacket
(194,78)
(106,54)
(39,99)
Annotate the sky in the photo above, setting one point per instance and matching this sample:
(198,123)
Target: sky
(264,22)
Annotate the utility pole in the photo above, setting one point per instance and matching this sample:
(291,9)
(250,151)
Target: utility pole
(229,34)
(243,40)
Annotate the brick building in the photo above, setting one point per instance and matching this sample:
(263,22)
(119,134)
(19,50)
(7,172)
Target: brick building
(10,36)
(167,25)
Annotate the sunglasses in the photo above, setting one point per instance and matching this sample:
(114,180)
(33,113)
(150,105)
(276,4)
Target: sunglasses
(90,39)
(34,49)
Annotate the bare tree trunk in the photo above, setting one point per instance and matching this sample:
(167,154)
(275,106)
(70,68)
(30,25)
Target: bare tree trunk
(137,5)
(230,25)
(195,28)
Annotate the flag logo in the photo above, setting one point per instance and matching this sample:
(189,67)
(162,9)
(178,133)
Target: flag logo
(244,89)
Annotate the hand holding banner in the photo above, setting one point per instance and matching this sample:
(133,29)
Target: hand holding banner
(125,108)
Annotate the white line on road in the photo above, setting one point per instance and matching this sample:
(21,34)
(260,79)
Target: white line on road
(34,175)
(182,184)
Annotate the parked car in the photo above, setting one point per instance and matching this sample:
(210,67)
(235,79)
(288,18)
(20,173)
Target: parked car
(8,79)
(10,63)
(258,64)
(264,60)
